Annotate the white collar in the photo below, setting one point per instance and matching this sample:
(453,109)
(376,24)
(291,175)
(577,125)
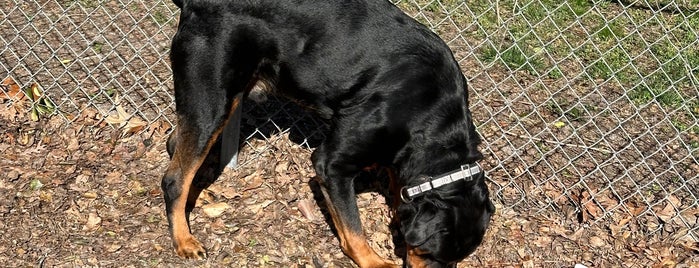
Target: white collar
(466,172)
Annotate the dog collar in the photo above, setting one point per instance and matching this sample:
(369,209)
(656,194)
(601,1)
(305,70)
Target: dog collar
(466,172)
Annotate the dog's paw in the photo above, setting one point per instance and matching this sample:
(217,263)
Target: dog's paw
(388,265)
(380,264)
(190,248)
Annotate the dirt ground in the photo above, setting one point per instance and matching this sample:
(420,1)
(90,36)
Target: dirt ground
(88,195)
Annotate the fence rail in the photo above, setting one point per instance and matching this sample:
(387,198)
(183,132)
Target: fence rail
(585,105)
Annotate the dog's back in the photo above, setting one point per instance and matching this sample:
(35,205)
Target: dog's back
(324,52)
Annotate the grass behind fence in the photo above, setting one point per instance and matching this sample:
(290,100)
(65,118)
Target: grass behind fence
(650,49)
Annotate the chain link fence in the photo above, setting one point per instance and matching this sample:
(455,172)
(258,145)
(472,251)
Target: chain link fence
(587,108)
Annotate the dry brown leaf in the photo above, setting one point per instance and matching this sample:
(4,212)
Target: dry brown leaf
(160,127)
(617,228)
(306,207)
(93,222)
(522,253)
(257,208)
(226,192)
(253,181)
(80,184)
(667,261)
(205,197)
(12,90)
(73,144)
(215,210)
(624,221)
(133,126)
(635,210)
(543,241)
(117,117)
(281,167)
(113,248)
(669,211)
(607,203)
(36,91)
(596,241)
(666,213)
(553,193)
(674,201)
(589,207)
(380,238)
(114,177)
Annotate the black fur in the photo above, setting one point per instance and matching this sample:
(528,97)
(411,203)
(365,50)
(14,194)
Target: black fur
(393,92)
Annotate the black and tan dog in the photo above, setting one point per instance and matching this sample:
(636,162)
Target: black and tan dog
(392,90)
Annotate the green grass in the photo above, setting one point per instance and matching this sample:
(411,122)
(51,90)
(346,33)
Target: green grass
(82,3)
(97,47)
(633,47)
(573,112)
(653,56)
(643,94)
(160,18)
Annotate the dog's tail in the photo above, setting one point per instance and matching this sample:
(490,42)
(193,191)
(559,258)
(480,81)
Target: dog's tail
(178,3)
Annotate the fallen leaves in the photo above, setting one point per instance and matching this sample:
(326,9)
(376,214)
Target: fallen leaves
(103,201)
(42,105)
(307,209)
(257,208)
(128,123)
(597,241)
(215,210)
(667,212)
(588,209)
(11,89)
(93,222)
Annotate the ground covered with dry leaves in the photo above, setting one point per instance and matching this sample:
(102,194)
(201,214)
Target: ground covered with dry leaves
(87,194)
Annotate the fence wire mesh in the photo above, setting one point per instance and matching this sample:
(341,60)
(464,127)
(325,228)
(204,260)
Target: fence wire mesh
(587,108)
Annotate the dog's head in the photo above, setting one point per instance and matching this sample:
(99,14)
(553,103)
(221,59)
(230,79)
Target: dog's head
(444,226)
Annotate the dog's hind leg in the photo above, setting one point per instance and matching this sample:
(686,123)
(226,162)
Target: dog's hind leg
(208,84)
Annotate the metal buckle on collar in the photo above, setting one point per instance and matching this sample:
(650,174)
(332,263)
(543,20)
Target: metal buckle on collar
(404,195)
(408,194)
(470,168)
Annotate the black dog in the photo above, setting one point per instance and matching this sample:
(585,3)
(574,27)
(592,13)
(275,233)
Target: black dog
(391,88)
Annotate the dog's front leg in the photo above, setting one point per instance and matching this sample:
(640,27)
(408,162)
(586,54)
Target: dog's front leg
(345,216)
(339,194)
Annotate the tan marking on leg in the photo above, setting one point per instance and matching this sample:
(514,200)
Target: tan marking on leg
(186,245)
(355,244)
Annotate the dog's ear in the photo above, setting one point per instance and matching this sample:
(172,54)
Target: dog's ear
(171,143)
(490,206)
(473,139)
(178,3)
